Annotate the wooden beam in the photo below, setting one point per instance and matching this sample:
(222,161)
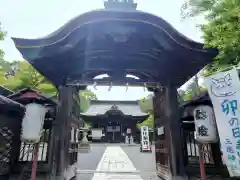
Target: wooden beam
(176,155)
(169,153)
(62,130)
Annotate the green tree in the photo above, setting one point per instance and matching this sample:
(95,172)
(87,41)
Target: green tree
(221,30)
(190,93)
(148,122)
(28,77)
(192,90)
(187,95)
(181,94)
(85,99)
(146,104)
(11,83)
(2,36)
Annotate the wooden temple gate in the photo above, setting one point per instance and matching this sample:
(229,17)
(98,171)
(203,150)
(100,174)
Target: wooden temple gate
(117,49)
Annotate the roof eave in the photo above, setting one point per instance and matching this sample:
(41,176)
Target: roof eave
(101,16)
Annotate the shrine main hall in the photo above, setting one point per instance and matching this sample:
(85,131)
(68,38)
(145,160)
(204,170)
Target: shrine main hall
(115,118)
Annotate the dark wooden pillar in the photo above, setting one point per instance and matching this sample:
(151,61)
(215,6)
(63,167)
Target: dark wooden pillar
(169,152)
(62,130)
(175,134)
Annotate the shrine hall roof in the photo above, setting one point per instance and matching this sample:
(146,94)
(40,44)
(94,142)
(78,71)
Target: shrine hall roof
(128,108)
(4,91)
(116,42)
(8,104)
(28,93)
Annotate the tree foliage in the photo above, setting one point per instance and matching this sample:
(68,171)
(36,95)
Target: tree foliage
(148,122)
(221,30)
(28,77)
(192,89)
(146,104)
(2,36)
(85,98)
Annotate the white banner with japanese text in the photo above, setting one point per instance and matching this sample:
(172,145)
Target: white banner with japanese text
(145,136)
(224,91)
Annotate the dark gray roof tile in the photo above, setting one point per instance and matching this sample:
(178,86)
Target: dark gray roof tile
(126,107)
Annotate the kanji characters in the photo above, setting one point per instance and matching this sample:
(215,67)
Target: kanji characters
(200,115)
(202,130)
(229,107)
(236,132)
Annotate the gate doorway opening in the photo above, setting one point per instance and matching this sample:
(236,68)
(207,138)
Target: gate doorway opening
(115,118)
(117,41)
(113,132)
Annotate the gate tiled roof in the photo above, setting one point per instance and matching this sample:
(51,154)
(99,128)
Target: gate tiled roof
(107,41)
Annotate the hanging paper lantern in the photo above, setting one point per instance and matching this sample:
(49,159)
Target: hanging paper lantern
(32,123)
(205,124)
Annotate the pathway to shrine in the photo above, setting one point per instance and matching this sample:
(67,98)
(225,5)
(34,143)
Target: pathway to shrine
(116,162)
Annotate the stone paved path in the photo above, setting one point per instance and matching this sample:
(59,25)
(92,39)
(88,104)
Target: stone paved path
(117,163)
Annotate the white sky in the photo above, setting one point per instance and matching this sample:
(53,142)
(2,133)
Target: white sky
(36,18)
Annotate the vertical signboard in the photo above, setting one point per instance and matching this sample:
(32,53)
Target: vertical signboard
(224,91)
(145,136)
